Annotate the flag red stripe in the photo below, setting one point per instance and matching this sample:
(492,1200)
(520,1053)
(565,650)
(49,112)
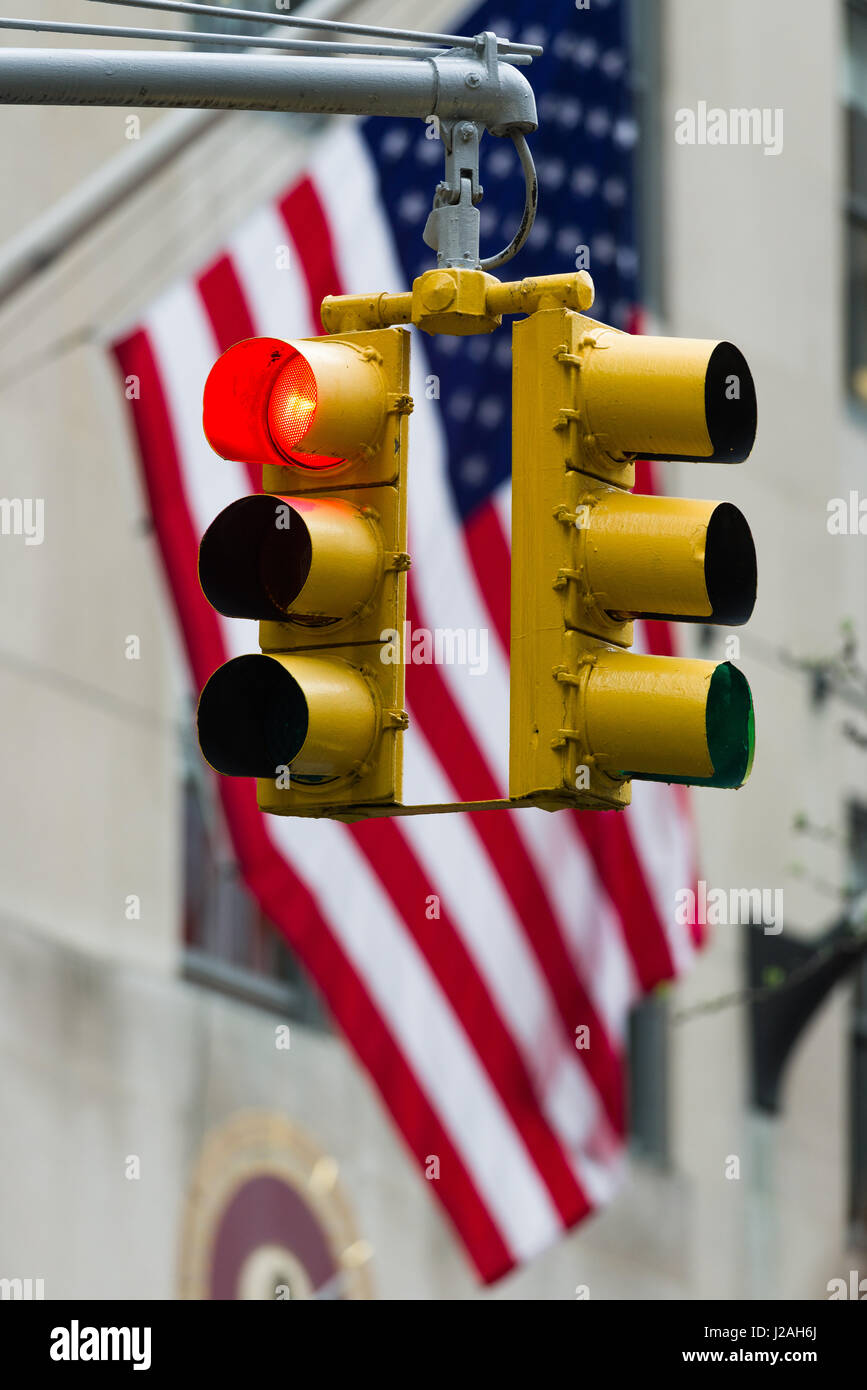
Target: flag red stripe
(225,303)
(226,307)
(308,227)
(178,542)
(491,562)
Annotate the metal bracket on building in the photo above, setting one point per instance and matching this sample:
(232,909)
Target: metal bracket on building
(790,977)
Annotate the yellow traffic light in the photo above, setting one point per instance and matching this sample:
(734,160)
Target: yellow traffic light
(588,557)
(319,558)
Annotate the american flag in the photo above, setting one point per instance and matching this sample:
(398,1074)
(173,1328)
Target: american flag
(467,1014)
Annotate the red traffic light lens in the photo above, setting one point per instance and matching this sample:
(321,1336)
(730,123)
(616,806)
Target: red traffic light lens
(293,403)
(292,410)
(264,397)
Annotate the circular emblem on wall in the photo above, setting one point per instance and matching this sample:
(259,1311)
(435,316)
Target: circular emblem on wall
(266,1218)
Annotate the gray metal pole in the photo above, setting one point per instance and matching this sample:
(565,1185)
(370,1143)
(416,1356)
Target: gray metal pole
(455,86)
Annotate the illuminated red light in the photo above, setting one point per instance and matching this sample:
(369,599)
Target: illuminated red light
(259,402)
(292,410)
(293,403)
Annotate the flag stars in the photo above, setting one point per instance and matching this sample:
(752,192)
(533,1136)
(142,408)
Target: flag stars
(584,181)
(614,191)
(503,351)
(489,220)
(460,406)
(541,232)
(428,151)
(603,248)
(447,345)
(567,113)
(474,470)
(478,349)
(586,52)
(566,241)
(501,161)
(598,121)
(552,172)
(490,412)
(535,33)
(627,260)
(394,142)
(413,206)
(625,132)
(612,63)
(564,45)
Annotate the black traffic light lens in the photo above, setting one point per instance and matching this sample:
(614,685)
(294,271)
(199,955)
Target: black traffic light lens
(252,718)
(254,558)
(729,405)
(730,574)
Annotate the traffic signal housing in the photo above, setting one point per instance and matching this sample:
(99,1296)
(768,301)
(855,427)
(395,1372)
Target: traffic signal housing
(589,557)
(319,559)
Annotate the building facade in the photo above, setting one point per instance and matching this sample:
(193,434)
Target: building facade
(152,1033)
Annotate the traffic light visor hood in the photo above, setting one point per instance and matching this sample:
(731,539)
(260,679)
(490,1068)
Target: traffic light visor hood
(668,398)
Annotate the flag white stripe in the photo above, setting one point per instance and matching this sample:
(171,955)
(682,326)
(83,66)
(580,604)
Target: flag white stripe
(276,295)
(185,350)
(502,499)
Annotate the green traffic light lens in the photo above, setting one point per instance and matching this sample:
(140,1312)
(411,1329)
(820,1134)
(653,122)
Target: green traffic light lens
(731,728)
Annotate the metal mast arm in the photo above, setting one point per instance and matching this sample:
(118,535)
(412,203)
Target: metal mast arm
(453,86)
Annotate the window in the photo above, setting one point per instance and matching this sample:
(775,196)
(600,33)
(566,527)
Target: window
(648,1079)
(645,28)
(855,99)
(229,944)
(858,1056)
